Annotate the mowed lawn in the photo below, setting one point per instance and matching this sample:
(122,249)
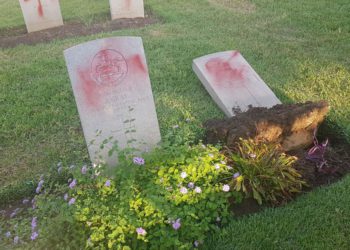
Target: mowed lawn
(300,48)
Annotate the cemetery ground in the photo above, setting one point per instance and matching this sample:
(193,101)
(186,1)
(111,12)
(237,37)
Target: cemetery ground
(299,49)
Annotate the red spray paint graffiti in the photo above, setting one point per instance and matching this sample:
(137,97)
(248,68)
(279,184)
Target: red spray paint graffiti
(40,9)
(224,70)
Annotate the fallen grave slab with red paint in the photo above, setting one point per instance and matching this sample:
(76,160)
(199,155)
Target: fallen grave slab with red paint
(126,8)
(232,82)
(41,14)
(113,94)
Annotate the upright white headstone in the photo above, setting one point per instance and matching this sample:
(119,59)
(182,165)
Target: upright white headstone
(41,14)
(113,93)
(126,8)
(232,82)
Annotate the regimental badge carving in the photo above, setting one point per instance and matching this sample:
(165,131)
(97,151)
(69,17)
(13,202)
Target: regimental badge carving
(109,67)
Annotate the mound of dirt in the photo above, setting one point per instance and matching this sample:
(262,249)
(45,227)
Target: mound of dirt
(291,125)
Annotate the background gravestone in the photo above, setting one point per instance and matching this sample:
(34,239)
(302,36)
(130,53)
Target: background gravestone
(126,8)
(113,93)
(232,82)
(41,14)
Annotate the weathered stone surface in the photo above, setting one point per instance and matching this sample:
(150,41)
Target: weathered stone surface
(41,14)
(126,8)
(232,82)
(291,125)
(113,93)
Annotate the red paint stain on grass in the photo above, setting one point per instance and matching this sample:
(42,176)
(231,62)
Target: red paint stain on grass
(40,9)
(224,70)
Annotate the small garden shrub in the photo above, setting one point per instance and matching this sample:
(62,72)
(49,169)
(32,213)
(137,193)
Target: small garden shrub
(266,173)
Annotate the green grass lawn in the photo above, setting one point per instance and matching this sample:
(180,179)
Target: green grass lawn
(300,48)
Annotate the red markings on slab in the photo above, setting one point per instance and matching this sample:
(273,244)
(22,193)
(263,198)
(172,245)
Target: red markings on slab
(40,9)
(137,64)
(224,70)
(128,4)
(89,88)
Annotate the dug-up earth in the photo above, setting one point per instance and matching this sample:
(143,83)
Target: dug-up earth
(291,125)
(12,37)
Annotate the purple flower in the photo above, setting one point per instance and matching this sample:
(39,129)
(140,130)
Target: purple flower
(73,184)
(71,201)
(176,224)
(34,235)
(65,197)
(217,166)
(196,243)
(84,169)
(34,223)
(141,231)
(14,213)
(16,240)
(176,126)
(183,175)
(191,185)
(225,188)
(40,185)
(33,203)
(138,161)
(8,234)
(198,190)
(108,183)
(236,175)
(25,201)
(183,190)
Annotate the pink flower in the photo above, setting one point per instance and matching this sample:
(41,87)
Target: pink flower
(176,224)
(141,231)
(225,188)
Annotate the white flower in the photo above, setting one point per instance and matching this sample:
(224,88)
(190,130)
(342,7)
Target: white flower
(217,166)
(211,155)
(198,190)
(183,190)
(183,175)
(229,167)
(225,188)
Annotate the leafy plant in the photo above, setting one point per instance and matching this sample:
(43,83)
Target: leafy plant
(265,173)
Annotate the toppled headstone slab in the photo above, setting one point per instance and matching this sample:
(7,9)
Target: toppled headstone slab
(41,14)
(291,125)
(113,93)
(126,8)
(232,82)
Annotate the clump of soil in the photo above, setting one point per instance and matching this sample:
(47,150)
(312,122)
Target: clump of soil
(291,125)
(13,37)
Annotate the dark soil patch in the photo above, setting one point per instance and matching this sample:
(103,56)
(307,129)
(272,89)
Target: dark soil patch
(12,37)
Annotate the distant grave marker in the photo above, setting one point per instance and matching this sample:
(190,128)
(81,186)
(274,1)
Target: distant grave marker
(41,14)
(113,93)
(126,8)
(232,82)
